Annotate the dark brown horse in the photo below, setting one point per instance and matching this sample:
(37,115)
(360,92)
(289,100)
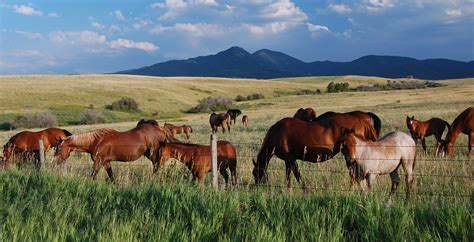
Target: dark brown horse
(291,139)
(421,129)
(198,158)
(186,129)
(169,133)
(245,121)
(463,123)
(369,117)
(305,114)
(149,121)
(220,119)
(27,142)
(234,113)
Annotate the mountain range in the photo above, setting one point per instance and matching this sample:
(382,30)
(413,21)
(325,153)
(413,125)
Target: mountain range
(236,62)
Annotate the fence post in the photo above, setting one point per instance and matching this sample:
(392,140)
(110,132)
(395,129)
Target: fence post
(214,159)
(41,154)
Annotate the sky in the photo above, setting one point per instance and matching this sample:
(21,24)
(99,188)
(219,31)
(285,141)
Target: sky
(101,36)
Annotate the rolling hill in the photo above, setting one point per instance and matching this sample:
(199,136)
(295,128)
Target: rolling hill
(236,62)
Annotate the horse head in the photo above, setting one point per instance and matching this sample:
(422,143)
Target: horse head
(61,150)
(445,148)
(259,173)
(348,145)
(411,125)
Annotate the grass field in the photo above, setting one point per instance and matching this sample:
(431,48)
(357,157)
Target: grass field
(62,203)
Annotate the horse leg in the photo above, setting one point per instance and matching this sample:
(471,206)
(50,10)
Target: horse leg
(223,129)
(395,180)
(108,168)
(296,172)
(95,169)
(423,144)
(408,166)
(288,173)
(370,180)
(187,134)
(156,166)
(438,136)
(470,143)
(223,171)
(228,127)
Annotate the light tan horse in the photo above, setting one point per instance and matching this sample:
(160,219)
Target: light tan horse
(245,121)
(186,129)
(381,157)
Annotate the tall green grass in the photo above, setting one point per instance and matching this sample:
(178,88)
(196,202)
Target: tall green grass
(49,207)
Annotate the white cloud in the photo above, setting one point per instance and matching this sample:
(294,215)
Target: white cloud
(97,25)
(317,28)
(55,15)
(119,15)
(379,5)
(27,10)
(196,30)
(269,28)
(176,7)
(284,10)
(130,44)
(347,33)
(340,8)
(454,12)
(29,35)
(77,38)
(141,23)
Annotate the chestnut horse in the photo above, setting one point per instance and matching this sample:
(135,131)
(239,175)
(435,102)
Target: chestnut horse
(305,114)
(245,121)
(381,157)
(198,158)
(421,129)
(186,129)
(220,119)
(369,117)
(463,123)
(234,113)
(27,142)
(291,139)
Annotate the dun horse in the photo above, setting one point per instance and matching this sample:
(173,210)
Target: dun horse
(291,139)
(234,113)
(421,129)
(381,157)
(220,119)
(463,123)
(27,143)
(245,121)
(305,114)
(198,158)
(186,129)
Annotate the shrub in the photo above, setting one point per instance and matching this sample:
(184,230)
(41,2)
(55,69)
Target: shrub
(125,104)
(255,96)
(338,87)
(211,104)
(90,116)
(240,98)
(35,120)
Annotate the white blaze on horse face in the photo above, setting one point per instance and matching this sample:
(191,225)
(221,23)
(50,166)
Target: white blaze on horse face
(411,121)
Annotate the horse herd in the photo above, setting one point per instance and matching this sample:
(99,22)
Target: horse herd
(306,137)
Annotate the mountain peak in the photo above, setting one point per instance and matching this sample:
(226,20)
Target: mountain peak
(234,51)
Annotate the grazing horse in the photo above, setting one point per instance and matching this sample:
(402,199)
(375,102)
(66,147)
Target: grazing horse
(305,114)
(366,116)
(198,158)
(186,129)
(27,142)
(421,129)
(381,157)
(463,123)
(234,113)
(84,142)
(245,121)
(220,119)
(149,121)
(291,139)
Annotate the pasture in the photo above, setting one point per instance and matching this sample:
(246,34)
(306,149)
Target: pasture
(63,203)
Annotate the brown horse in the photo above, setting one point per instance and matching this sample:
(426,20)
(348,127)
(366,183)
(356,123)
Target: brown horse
(234,113)
(463,123)
(220,119)
(245,121)
(421,129)
(305,114)
(369,117)
(27,142)
(198,158)
(149,121)
(169,133)
(186,129)
(291,139)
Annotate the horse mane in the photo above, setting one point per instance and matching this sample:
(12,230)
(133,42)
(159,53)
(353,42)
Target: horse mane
(89,137)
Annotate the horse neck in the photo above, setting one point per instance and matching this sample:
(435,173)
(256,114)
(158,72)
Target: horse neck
(453,133)
(178,151)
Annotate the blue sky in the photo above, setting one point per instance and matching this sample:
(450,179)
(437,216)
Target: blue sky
(68,37)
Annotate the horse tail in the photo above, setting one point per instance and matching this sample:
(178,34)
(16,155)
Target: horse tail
(447,125)
(370,132)
(377,122)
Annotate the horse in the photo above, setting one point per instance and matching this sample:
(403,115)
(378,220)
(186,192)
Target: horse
(84,142)
(421,129)
(369,117)
(27,142)
(234,113)
(220,119)
(245,121)
(149,121)
(291,139)
(305,114)
(186,129)
(464,123)
(198,158)
(381,157)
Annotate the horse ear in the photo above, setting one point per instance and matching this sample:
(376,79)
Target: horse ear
(254,162)
(412,117)
(353,129)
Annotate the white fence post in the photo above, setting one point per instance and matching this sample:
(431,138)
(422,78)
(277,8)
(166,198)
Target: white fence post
(41,154)
(214,159)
